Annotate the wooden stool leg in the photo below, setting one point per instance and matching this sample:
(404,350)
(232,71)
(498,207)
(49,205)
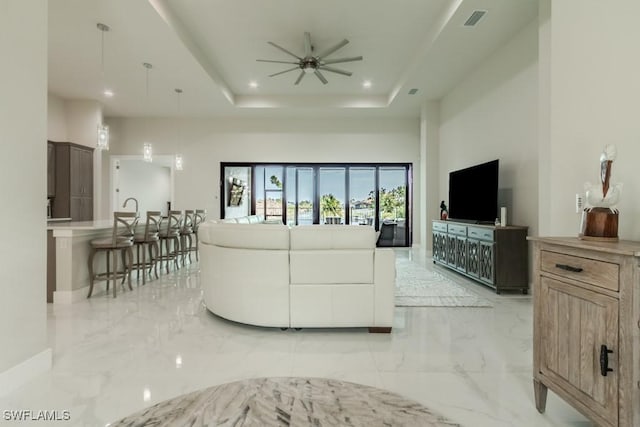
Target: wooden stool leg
(115,273)
(197,251)
(138,263)
(156,246)
(108,272)
(176,251)
(168,251)
(129,252)
(142,265)
(91,275)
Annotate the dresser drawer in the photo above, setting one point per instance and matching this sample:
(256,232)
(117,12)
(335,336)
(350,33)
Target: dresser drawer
(439,226)
(458,230)
(480,233)
(595,272)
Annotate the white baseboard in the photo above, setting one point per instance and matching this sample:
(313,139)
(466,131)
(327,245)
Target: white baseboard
(69,297)
(25,371)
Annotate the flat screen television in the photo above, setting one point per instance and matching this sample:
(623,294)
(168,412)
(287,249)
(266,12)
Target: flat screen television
(473,193)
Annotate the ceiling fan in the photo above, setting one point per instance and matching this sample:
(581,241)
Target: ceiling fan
(311,63)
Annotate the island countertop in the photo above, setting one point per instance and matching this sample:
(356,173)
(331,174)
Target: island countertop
(67,228)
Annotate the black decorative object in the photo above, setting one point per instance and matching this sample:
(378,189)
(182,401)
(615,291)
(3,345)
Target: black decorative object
(444,213)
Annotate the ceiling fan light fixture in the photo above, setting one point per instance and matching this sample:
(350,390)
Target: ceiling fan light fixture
(253,84)
(108,93)
(309,63)
(366,84)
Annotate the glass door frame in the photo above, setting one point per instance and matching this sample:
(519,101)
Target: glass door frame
(316,202)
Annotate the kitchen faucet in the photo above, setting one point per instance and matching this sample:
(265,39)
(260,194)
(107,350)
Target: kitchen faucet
(124,205)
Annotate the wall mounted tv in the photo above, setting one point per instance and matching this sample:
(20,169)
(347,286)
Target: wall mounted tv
(473,193)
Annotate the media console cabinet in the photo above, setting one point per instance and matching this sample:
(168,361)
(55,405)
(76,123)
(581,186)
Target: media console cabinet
(493,255)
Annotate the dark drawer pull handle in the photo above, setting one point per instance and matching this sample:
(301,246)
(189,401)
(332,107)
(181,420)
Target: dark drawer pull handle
(569,268)
(604,360)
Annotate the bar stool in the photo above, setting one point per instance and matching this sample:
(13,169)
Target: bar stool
(170,235)
(120,242)
(186,231)
(148,242)
(199,218)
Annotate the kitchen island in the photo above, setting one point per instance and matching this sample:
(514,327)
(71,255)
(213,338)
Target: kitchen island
(67,258)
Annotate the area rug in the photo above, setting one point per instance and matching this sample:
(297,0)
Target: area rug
(288,401)
(420,286)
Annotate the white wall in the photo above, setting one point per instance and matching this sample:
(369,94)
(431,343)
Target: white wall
(149,183)
(83,118)
(23,134)
(594,101)
(206,143)
(56,119)
(429,167)
(493,114)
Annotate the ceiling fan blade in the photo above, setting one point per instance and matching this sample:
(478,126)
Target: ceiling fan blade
(337,61)
(335,70)
(285,71)
(307,44)
(321,77)
(284,50)
(299,79)
(333,49)
(279,62)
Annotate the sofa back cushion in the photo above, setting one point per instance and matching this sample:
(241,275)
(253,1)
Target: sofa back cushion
(331,267)
(246,236)
(332,254)
(308,237)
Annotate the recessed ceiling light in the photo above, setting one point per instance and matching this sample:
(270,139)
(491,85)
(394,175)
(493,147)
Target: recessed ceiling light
(366,84)
(253,84)
(108,93)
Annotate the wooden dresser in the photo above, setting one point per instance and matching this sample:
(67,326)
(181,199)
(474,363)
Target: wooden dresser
(586,334)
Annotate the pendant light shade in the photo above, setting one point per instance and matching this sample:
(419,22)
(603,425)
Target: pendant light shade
(103,137)
(147,152)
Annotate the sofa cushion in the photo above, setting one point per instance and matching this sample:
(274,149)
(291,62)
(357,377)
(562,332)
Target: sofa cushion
(247,236)
(306,237)
(331,266)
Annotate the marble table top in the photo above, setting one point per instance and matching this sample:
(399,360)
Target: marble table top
(287,402)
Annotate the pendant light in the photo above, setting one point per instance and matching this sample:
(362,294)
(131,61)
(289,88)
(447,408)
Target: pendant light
(179,161)
(102,142)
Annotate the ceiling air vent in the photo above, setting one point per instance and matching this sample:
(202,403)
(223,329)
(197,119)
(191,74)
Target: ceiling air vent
(477,15)
(413,91)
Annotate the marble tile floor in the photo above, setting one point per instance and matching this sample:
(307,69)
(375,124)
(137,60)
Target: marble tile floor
(114,357)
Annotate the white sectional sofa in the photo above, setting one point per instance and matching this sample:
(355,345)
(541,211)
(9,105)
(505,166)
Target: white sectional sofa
(300,277)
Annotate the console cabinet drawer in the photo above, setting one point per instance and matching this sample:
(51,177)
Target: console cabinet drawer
(458,230)
(480,233)
(594,272)
(439,226)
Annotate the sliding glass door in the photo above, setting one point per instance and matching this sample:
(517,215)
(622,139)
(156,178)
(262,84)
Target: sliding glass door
(362,195)
(332,191)
(269,192)
(350,194)
(393,202)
